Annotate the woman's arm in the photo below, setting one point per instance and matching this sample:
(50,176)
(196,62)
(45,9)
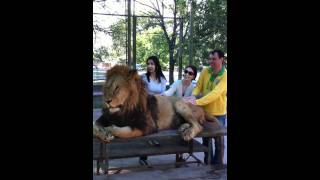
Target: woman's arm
(172,89)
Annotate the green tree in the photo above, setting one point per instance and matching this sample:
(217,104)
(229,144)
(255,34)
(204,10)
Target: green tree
(118,34)
(169,27)
(100,54)
(151,42)
(210,29)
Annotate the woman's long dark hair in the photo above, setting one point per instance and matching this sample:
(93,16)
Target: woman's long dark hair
(158,70)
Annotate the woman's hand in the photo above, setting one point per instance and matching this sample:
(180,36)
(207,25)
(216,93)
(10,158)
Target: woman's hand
(190,99)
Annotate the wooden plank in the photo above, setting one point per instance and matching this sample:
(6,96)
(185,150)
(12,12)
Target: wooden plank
(139,148)
(212,131)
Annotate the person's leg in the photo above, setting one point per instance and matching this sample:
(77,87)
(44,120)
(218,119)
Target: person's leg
(219,151)
(143,158)
(219,144)
(179,159)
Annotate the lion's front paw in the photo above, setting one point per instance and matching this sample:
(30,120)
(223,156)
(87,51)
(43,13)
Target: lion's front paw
(103,133)
(108,136)
(97,131)
(188,133)
(183,127)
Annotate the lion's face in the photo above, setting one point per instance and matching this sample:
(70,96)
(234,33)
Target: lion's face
(116,92)
(122,89)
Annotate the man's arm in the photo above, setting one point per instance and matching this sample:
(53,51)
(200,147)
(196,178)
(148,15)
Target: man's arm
(214,94)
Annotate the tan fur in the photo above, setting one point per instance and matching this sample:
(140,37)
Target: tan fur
(126,132)
(166,112)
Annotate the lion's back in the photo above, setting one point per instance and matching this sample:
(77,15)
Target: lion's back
(166,112)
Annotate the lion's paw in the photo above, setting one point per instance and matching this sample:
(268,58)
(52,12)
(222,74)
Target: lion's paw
(108,136)
(188,134)
(183,127)
(103,133)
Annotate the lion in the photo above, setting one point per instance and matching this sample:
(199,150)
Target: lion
(131,112)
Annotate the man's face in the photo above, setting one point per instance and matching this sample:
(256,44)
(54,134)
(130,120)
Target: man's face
(214,61)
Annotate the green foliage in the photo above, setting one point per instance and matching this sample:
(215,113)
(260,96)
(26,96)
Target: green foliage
(119,38)
(152,42)
(100,54)
(210,29)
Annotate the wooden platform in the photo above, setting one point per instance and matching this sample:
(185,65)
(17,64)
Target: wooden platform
(170,142)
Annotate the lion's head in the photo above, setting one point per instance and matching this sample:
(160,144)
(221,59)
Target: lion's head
(123,90)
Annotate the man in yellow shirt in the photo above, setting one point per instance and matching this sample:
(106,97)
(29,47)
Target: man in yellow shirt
(212,85)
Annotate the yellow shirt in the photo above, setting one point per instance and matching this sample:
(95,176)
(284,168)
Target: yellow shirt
(214,95)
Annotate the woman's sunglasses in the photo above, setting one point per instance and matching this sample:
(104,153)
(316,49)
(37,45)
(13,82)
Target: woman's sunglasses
(188,72)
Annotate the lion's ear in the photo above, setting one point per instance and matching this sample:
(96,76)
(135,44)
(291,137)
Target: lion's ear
(133,75)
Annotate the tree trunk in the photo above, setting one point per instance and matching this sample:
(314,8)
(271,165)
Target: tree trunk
(171,63)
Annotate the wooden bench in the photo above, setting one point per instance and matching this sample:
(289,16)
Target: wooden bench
(170,142)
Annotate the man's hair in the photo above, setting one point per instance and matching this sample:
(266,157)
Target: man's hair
(219,52)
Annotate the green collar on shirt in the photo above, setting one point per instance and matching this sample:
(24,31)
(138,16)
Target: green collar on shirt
(214,76)
(220,73)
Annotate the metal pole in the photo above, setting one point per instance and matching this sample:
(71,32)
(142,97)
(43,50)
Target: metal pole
(143,16)
(134,28)
(180,48)
(191,35)
(129,34)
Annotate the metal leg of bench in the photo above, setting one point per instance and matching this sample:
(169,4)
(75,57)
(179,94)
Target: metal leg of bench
(190,144)
(106,169)
(210,150)
(98,167)
(177,157)
(105,156)
(179,160)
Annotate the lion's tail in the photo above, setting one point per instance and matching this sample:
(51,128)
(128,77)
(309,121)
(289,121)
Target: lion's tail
(211,118)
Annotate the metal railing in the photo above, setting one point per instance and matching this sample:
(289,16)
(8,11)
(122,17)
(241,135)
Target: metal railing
(99,74)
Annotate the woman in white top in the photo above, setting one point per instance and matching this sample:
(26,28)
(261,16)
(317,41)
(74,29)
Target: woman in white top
(154,78)
(184,87)
(155,83)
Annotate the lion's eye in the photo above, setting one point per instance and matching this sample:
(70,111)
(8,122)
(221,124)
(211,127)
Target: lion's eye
(116,90)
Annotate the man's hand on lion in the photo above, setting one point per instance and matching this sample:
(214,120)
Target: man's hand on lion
(190,99)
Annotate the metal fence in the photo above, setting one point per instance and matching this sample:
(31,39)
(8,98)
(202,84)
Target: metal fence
(99,74)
